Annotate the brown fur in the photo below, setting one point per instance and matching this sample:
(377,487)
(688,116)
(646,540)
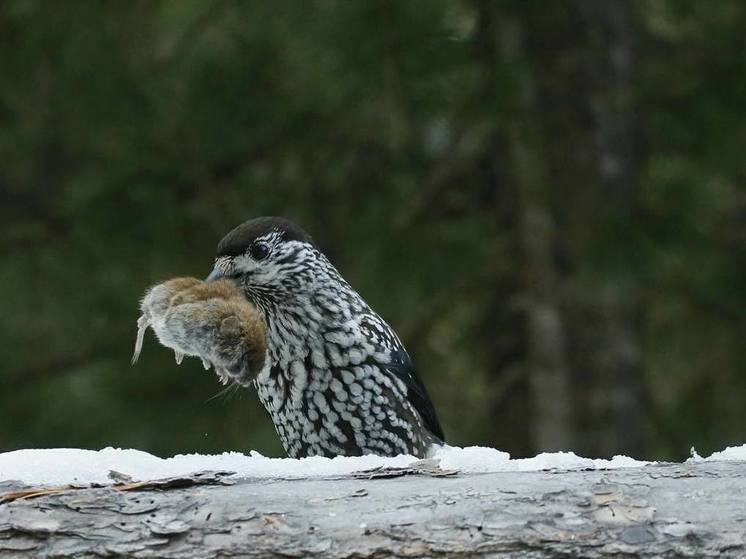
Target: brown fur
(220,304)
(238,318)
(191,290)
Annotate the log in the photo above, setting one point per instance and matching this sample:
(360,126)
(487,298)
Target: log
(670,510)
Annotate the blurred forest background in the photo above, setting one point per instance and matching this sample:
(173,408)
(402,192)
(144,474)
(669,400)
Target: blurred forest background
(545,199)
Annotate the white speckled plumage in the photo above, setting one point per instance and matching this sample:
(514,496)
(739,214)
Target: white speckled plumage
(337,379)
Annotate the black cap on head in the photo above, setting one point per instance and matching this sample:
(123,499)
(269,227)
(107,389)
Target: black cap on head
(237,241)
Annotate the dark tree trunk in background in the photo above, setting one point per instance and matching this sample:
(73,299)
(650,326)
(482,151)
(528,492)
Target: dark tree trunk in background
(566,168)
(505,318)
(546,368)
(582,61)
(617,355)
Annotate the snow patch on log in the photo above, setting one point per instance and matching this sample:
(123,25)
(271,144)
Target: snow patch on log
(62,466)
(729,454)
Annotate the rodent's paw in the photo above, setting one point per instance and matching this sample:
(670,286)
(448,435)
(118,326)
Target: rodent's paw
(223,376)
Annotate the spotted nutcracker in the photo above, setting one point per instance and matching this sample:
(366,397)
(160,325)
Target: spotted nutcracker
(335,378)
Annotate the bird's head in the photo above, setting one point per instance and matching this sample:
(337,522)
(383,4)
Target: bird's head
(267,256)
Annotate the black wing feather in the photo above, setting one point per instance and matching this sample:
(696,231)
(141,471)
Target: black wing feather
(403,368)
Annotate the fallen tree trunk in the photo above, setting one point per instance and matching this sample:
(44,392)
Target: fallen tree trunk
(691,510)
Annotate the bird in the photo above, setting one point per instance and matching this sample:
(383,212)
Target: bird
(336,379)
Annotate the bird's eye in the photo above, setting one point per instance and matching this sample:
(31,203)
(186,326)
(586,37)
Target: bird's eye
(259,251)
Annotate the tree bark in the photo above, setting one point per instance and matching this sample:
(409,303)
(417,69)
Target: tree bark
(672,510)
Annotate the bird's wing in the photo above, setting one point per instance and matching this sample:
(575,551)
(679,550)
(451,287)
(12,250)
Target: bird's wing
(403,368)
(400,365)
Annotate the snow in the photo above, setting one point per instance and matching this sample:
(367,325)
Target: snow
(477,459)
(70,465)
(61,466)
(731,453)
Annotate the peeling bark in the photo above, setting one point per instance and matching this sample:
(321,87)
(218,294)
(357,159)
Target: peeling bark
(690,510)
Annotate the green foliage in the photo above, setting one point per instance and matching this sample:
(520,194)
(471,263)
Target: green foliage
(133,135)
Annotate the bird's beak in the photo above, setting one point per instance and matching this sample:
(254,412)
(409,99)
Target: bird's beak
(222,269)
(215,275)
